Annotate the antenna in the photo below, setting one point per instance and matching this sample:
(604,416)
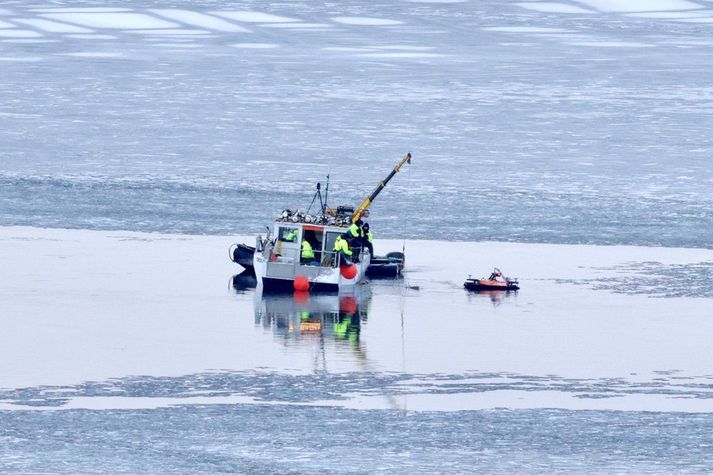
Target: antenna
(317,194)
(326,195)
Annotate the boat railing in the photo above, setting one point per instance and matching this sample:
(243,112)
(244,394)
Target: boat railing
(284,255)
(294,256)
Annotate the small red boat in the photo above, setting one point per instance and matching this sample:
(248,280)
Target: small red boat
(496,281)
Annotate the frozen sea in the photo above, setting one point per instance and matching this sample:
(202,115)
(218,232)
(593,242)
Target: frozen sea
(567,143)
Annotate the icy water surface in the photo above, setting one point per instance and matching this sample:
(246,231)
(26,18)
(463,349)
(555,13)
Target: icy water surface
(536,127)
(132,352)
(582,122)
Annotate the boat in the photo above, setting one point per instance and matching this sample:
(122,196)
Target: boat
(277,258)
(242,254)
(381,267)
(386,267)
(496,282)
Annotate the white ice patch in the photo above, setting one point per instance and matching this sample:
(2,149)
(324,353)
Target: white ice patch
(178,45)
(305,26)
(405,48)
(52,26)
(81,10)
(19,34)
(93,54)
(612,44)
(172,32)
(696,20)
(29,40)
(671,15)
(347,49)
(253,17)
(620,6)
(199,19)
(436,1)
(366,21)
(547,7)
(5,12)
(400,55)
(4,24)
(92,37)
(254,45)
(20,59)
(525,29)
(122,21)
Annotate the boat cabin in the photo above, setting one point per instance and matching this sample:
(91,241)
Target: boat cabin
(288,237)
(278,260)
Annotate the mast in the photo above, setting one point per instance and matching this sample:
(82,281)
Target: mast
(367,202)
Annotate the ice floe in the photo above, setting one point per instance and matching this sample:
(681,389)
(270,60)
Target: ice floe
(296,26)
(93,54)
(400,55)
(366,21)
(172,31)
(22,59)
(550,7)
(29,40)
(525,29)
(81,10)
(52,26)
(671,15)
(7,33)
(92,37)
(124,21)
(199,19)
(405,47)
(621,6)
(436,1)
(696,20)
(255,45)
(253,17)
(179,45)
(612,44)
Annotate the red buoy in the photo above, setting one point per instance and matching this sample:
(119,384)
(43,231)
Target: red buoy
(349,272)
(301,283)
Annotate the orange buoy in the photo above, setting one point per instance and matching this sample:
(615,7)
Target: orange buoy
(301,283)
(349,272)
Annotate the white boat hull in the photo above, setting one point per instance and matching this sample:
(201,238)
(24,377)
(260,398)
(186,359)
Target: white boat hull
(278,266)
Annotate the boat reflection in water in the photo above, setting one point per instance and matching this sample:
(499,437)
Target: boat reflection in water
(304,316)
(243,282)
(497,297)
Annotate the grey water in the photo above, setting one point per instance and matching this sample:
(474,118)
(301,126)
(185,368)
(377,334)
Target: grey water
(279,439)
(526,125)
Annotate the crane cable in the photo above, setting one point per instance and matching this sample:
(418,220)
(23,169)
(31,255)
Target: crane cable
(403,221)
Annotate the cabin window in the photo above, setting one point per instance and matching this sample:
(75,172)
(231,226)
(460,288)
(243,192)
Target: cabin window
(331,237)
(313,238)
(287,234)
